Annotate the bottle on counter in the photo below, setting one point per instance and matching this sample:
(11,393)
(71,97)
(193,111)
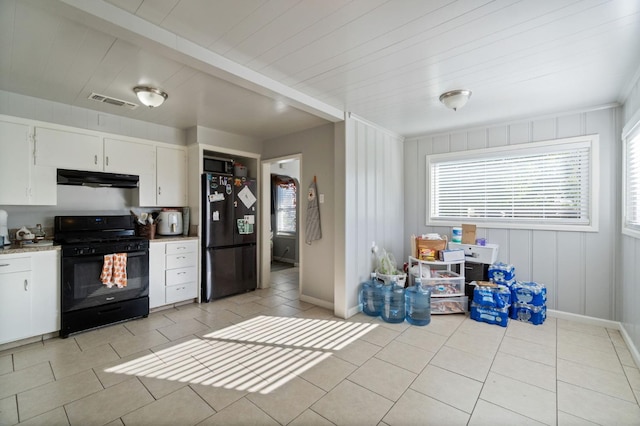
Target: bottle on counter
(39,232)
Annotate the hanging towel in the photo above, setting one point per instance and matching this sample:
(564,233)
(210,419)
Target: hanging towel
(313,228)
(114,270)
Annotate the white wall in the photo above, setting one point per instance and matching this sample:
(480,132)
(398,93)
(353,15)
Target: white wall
(373,205)
(220,139)
(316,146)
(55,112)
(578,268)
(629,279)
(287,168)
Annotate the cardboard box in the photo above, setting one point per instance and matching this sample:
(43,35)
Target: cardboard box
(454,255)
(426,249)
(468,234)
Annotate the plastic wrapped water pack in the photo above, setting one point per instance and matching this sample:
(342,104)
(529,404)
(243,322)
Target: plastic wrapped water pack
(501,273)
(492,297)
(530,293)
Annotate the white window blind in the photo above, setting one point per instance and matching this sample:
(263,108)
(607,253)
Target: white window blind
(538,185)
(631,182)
(286,209)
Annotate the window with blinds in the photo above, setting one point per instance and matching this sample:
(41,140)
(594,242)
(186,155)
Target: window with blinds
(544,185)
(631,181)
(286,209)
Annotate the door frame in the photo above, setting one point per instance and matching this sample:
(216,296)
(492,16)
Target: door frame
(265,257)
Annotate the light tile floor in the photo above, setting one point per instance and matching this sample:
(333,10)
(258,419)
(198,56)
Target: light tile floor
(266,358)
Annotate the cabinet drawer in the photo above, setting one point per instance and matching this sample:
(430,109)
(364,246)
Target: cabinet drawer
(181,275)
(181,247)
(180,292)
(16,264)
(181,260)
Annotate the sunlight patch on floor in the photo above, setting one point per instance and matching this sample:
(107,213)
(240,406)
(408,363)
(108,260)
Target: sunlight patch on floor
(257,355)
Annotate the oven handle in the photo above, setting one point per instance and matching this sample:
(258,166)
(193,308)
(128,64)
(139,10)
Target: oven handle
(101,257)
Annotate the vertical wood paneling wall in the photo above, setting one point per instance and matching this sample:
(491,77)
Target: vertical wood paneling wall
(374,202)
(629,294)
(578,268)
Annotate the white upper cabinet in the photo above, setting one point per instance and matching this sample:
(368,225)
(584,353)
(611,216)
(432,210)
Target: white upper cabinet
(67,150)
(14,163)
(171,176)
(22,182)
(32,152)
(128,157)
(136,159)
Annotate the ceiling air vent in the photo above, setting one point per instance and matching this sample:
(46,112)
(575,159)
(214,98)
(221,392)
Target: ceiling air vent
(112,101)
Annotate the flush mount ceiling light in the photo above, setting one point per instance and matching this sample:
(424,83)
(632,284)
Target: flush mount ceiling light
(455,99)
(150,96)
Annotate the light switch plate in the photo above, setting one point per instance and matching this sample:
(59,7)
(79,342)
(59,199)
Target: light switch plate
(321,198)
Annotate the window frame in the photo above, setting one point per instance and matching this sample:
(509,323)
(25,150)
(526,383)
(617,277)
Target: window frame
(591,141)
(630,135)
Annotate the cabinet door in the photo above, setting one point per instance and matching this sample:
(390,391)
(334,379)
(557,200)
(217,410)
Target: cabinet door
(171,177)
(15,298)
(67,150)
(156,274)
(45,292)
(14,163)
(135,159)
(129,157)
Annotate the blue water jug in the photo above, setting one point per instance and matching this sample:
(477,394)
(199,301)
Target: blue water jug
(393,308)
(418,304)
(371,296)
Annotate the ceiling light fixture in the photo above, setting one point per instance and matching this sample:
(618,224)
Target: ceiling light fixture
(150,96)
(455,99)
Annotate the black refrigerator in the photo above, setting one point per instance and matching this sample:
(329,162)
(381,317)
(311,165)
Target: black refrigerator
(229,229)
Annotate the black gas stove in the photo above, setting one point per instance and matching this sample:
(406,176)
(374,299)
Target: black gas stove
(89,244)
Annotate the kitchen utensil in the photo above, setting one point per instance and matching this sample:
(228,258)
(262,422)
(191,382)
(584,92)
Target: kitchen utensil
(24,234)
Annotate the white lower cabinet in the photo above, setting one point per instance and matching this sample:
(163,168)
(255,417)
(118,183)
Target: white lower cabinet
(173,272)
(29,295)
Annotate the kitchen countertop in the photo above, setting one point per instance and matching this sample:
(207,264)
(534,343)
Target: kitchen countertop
(27,248)
(30,248)
(166,238)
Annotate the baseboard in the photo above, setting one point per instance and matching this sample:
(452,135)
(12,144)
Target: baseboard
(615,325)
(351,312)
(632,348)
(317,302)
(584,319)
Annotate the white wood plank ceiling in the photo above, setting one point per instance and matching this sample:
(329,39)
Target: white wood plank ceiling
(266,68)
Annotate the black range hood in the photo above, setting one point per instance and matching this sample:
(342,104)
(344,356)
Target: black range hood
(96,179)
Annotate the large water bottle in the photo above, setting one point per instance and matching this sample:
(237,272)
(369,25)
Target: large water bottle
(393,308)
(371,296)
(418,304)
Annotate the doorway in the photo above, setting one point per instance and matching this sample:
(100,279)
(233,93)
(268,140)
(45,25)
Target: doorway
(281,217)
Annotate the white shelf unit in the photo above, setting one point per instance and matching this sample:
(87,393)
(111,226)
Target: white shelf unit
(447,286)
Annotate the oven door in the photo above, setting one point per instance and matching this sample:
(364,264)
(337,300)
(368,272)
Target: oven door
(82,288)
